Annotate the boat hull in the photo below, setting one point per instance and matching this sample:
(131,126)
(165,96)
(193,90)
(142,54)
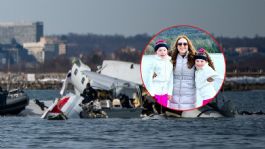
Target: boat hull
(13,103)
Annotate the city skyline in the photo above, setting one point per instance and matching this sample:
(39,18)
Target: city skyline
(222,18)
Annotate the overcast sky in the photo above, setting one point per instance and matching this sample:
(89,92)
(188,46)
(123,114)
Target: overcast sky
(228,18)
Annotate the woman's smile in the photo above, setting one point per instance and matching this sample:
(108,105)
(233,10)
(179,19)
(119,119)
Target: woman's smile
(182,46)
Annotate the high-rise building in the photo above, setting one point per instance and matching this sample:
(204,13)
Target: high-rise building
(20,32)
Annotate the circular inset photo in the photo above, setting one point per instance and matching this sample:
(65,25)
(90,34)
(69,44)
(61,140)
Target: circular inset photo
(183,67)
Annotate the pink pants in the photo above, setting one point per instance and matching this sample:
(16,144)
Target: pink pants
(205,102)
(162,99)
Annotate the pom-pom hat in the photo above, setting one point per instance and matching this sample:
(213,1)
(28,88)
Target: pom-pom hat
(201,54)
(160,43)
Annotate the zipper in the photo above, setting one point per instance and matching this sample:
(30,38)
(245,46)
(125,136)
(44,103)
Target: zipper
(181,78)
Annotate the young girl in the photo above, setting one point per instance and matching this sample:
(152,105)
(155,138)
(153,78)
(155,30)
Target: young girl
(161,74)
(204,75)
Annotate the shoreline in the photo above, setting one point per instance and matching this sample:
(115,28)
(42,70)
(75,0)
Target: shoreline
(55,81)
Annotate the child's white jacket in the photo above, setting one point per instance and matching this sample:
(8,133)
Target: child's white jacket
(162,83)
(205,89)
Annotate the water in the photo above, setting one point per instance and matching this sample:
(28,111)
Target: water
(43,94)
(238,132)
(252,101)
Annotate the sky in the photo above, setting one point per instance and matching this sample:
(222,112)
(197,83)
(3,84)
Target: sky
(228,18)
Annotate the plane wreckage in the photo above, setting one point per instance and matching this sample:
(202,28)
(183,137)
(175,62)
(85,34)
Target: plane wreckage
(115,90)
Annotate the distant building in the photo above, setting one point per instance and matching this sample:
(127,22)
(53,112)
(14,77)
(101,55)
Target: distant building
(45,49)
(128,50)
(3,60)
(54,46)
(10,53)
(246,50)
(62,49)
(20,32)
(35,49)
(113,56)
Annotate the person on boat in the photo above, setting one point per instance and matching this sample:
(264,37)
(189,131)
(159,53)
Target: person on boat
(3,91)
(41,104)
(136,101)
(89,94)
(125,101)
(2,97)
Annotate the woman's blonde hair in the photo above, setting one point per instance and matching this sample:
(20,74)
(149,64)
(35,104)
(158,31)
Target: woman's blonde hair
(191,50)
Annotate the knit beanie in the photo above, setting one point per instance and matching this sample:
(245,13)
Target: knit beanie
(201,54)
(160,43)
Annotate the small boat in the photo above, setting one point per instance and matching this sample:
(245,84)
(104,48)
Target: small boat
(13,102)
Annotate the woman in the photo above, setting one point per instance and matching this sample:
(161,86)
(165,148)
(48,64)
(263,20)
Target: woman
(184,93)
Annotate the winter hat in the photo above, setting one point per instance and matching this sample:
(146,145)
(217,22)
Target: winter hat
(201,54)
(160,43)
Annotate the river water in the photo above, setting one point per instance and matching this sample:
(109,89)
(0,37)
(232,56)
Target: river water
(238,132)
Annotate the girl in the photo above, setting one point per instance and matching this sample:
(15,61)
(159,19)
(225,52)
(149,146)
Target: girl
(161,75)
(204,75)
